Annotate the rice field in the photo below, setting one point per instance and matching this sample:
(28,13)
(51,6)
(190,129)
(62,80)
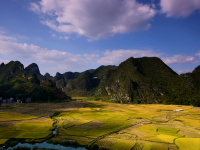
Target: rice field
(2,141)
(122,144)
(9,116)
(188,143)
(110,125)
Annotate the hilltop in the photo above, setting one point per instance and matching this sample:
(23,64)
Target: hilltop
(149,80)
(20,83)
(136,80)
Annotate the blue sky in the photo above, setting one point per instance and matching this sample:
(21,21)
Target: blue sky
(76,35)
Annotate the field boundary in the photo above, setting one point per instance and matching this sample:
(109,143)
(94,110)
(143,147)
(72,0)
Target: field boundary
(133,124)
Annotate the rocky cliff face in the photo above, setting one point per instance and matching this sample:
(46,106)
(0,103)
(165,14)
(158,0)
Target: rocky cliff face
(33,68)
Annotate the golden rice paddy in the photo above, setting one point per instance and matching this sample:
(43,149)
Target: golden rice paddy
(109,125)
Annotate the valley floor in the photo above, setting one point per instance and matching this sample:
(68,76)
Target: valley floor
(102,124)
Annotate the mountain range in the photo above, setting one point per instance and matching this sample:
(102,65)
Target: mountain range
(20,83)
(136,80)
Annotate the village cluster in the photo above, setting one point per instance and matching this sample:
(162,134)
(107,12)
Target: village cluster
(11,100)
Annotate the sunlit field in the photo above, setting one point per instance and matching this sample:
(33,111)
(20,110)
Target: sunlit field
(103,124)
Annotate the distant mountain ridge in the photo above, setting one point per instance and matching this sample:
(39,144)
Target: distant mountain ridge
(20,83)
(136,80)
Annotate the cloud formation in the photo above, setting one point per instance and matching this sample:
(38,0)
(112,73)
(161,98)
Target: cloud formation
(184,70)
(66,37)
(115,57)
(179,8)
(3,37)
(94,19)
(179,59)
(198,54)
(59,61)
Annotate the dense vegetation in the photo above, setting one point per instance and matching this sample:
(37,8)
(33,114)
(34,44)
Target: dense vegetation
(149,80)
(20,83)
(136,80)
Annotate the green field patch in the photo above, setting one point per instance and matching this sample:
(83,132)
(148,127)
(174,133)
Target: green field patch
(106,142)
(2,141)
(188,143)
(37,126)
(152,138)
(88,125)
(7,128)
(168,130)
(189,121)
(192,111)
(104,129)
(149,146)
(123,136)
(81,140)
(157,120)
(148,129)
(62,135)
(34,135)
(9,134)
(122,144)
(70,123)
(197,117)
(101,115)
(167,138)
(8,116)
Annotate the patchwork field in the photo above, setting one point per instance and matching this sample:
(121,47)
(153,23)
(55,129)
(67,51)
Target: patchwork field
(102,124)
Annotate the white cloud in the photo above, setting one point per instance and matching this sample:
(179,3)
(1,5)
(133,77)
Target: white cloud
(34,7)
(184,70)
(153,5)
(2,37)
(198,54)
(60,61)
(53,35)
(1,32)
(95,19)
(117,56)
(66,37)
(89,40)
(60,37)
(179,8)
(179,59)
(21,36)
(4,61)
